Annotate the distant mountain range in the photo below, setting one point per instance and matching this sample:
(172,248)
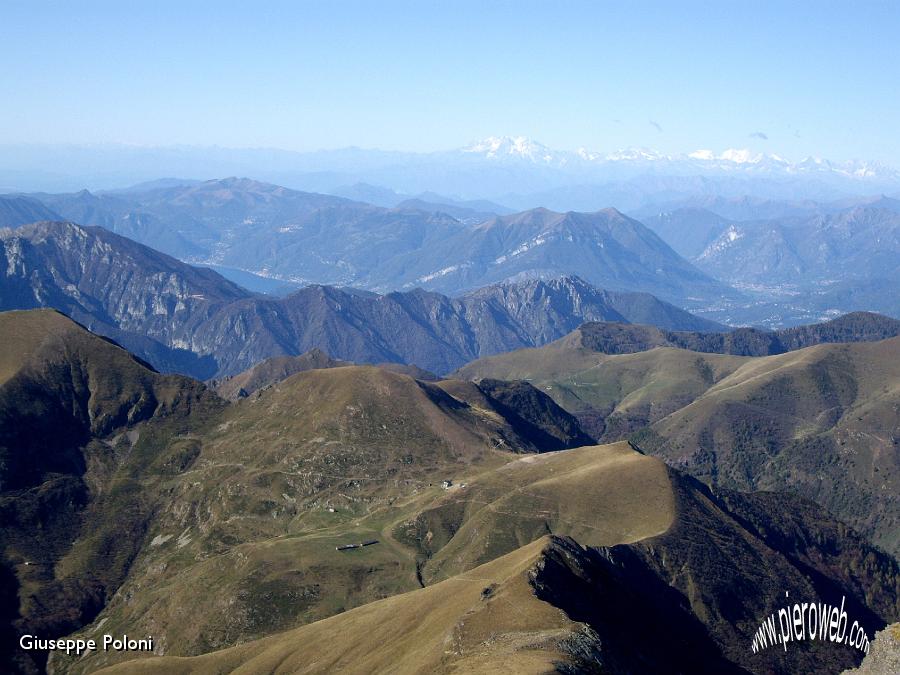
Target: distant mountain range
(605,248)
(795,261)
(191,320)
(701,162)
(306,238)
(515,171)
(691,226)
(742,260)
(472,211)
(858,243)
(15,211)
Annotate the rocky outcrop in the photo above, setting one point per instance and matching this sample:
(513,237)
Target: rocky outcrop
(191,320)
(884,654)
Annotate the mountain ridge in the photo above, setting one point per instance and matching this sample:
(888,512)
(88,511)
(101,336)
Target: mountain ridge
(483,169)
(77,497)
(859,242)
(303,237)
(439,479)
(819,421)
(192,320)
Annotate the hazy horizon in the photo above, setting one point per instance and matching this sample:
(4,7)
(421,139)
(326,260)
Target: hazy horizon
(473,336)
(809,79)
(462,145)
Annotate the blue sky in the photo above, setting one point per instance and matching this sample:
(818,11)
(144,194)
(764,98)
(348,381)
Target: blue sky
(813,78)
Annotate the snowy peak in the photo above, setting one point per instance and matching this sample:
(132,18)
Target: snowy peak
(743,156)
(701,161)
(635,155)
(515,147)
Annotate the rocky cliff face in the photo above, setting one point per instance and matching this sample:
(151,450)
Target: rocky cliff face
(884,654)
(303,237)
(142,298)
(546,307)
(191,320)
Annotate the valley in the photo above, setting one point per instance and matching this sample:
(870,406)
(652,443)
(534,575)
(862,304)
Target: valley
(316,493)
(303,238)
(468,490)
(819,421)
(449,338)
(191,320)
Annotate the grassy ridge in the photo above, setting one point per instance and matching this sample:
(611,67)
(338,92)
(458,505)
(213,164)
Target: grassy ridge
(667,557)
(821,421)
(86,434)
(209,524)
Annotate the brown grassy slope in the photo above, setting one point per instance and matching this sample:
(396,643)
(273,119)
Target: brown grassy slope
(728,556)
(513,614)
(822,422)
(271,371)
(242,505)
(442,628)
(79,418)
(281,478)
(698,584)
(21,338)
(600,495)
(612,395)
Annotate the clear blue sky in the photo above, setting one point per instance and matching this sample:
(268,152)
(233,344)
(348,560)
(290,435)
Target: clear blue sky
(815,78)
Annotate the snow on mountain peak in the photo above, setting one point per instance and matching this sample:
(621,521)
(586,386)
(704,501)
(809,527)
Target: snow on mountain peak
(511,146)
(635,154)
(741,156)
(736,156)
(587,155)
(522,148)
(705,155)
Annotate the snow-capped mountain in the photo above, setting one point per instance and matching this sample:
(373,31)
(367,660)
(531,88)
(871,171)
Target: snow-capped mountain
(700,162)
(499,147)
(515,171)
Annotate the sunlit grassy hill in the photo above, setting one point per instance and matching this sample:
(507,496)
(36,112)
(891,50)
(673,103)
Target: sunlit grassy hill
(357,518)
(821,421)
